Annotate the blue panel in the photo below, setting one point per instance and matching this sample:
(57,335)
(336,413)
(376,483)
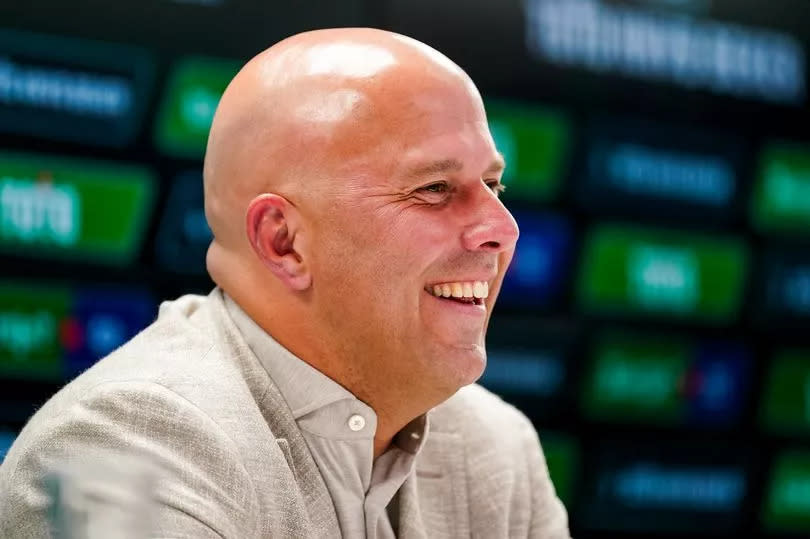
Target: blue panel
(540,374)
(641,169)
(72,89)
(717,383)
(782,298)
(677,487)
(541,262)
(6,439)
(184,235)
(101,320)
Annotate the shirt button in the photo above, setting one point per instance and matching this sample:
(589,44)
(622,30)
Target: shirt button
(357,422)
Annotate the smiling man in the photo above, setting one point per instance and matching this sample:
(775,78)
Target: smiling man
(325,387)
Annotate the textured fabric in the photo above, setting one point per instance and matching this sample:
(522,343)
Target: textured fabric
(360,487)
(190,394)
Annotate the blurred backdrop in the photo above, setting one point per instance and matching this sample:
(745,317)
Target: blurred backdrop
(654,322)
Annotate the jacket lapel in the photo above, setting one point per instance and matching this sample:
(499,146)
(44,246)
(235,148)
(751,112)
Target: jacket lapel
(319,503)
(433,503)
(320,508)
(411,525)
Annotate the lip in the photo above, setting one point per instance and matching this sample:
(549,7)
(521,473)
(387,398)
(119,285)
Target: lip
(483,278)
(461,308)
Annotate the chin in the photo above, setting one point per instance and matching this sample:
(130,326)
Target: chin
(466,365)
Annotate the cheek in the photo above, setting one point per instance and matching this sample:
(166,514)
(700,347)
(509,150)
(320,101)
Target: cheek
(350,260)
(377,255)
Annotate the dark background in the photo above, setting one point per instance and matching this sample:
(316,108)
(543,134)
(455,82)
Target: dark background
(553,335)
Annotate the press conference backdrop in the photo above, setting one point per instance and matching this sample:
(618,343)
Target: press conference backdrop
(654,321)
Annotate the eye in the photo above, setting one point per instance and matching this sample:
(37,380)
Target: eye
(496,186)
(438,187)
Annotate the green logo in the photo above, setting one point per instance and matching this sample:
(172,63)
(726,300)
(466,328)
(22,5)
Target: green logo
(787,500)
(534,142)
(38,211)
(786,402)
(562,456)
(197,108)
(70,208)
(20,333)
(664,278)
(633,271)
(190,100)
(789,190)
(781,201)
(30,320)
(636,378)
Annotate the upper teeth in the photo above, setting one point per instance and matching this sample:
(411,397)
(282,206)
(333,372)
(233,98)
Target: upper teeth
(474,289)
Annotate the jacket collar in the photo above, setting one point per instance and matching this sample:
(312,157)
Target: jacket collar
(320,508)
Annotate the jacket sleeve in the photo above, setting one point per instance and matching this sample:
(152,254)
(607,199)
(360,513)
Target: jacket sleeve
(201,488)
(549,519)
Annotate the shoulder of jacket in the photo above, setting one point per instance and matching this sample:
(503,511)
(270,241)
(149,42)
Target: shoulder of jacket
(476,410)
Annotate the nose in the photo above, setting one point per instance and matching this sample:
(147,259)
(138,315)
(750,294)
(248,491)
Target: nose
(493,229)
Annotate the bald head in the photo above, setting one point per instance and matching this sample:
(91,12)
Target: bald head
(349,173)
(308,111)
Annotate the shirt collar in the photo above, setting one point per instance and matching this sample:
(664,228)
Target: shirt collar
(304,387)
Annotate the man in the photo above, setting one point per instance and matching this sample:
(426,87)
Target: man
(325,386)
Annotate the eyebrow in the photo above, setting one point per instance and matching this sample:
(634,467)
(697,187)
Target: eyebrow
(452,165)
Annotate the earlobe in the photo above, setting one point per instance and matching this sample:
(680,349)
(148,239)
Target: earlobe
(271,222)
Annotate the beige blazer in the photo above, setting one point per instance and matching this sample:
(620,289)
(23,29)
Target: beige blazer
(189,393)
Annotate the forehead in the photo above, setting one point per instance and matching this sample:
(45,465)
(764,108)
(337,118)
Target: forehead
(410,122)
(421,169)
(441,130)
(449,145)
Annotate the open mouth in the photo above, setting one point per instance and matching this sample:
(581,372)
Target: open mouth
(469,292)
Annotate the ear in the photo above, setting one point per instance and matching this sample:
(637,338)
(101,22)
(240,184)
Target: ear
(273,229)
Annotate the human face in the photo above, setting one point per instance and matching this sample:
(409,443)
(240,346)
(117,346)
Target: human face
(423,211)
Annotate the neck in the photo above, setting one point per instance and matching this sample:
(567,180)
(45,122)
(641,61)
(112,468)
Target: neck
(395,409)
(381,445)
(394,405)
